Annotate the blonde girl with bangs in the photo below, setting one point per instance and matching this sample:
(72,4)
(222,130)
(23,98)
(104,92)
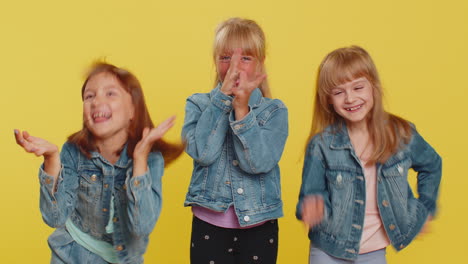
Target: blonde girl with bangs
(102,191)
(236,135)
(355,197)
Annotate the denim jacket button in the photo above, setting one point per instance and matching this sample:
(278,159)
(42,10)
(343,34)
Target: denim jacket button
(240,191)
(385,203)
(104,209)
(136,183)
(392,227)
(48,181)
(93,177)
(400,169)
(339,178)
(235,162)
(237,127)
(227,103)
(246,218)
(106,185)
(119,248)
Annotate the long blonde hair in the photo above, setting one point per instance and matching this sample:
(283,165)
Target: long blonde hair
(387,131)
(245,34)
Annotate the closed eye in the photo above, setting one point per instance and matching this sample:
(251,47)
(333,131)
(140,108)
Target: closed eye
(224,58)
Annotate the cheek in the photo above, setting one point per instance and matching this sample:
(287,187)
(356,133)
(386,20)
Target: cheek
(222,69)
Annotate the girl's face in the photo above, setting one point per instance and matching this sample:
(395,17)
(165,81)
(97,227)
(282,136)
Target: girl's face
(353,100)
(249,64)
(107,108)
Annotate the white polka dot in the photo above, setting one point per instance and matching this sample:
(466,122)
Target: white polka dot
(272,240)
(207,237)
(235,238)
(255,257)
(230,250)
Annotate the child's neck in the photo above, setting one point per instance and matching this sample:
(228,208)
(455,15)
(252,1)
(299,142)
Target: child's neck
(361,141)
(110,148)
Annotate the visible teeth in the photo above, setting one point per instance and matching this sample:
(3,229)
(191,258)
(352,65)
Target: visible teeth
(101,114)
(353,108)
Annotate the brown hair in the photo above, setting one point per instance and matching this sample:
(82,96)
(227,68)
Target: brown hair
(387,131)
(85,140)
(245,34)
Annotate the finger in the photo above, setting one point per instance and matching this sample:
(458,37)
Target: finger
(19,137)
(146,131)
(235,59)
(259,79)
(171,119)
(319,204)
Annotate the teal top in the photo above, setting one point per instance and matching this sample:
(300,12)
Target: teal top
(101,248)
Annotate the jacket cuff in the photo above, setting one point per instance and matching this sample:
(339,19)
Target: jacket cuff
(138,183)
(240,126)
(50,183)
(221,100)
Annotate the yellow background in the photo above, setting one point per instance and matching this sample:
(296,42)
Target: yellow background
(420,48)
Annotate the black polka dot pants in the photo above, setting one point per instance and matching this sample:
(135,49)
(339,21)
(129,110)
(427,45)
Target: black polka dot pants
(216,245)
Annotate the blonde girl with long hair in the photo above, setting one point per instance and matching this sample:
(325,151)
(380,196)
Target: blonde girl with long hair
(235,135)
(355,197)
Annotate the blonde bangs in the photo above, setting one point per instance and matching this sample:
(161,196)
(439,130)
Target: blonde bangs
(340,69)
(231,37)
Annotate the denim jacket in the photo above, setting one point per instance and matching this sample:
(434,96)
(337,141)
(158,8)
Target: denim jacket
(236,161)
(83,193)
(333,170)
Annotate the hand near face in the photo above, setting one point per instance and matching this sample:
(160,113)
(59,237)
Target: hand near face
(40,147)
(312,210)
(240,79)
(143,147)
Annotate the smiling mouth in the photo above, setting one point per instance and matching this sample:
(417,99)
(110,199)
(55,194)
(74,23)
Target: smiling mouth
(101,116)
(354,108)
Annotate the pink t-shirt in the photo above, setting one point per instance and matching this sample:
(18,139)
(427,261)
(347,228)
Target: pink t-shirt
(226,220)
(373,234)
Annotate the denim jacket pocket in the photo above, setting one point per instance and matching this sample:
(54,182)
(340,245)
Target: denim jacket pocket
(340,186)
(90,184)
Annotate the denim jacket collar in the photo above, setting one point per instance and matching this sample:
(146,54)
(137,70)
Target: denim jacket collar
(255,98)
(340,136)
(123,162)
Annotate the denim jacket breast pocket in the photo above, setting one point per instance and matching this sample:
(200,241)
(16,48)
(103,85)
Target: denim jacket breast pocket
(340,184)
(89,195)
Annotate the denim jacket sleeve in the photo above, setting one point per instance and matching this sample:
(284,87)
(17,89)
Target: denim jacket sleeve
(428,165)
(313,177)
(58,199)
(260,144)
(206,125)
(144,193)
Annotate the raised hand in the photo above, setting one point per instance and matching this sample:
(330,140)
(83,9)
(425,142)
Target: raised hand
(231,79)
(143,147)
(312,210)
(40,147)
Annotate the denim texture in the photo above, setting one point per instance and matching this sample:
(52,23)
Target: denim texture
(333,170)
(83,193)
(236,161)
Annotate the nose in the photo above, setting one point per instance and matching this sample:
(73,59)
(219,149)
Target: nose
(96,100)
(349,97)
